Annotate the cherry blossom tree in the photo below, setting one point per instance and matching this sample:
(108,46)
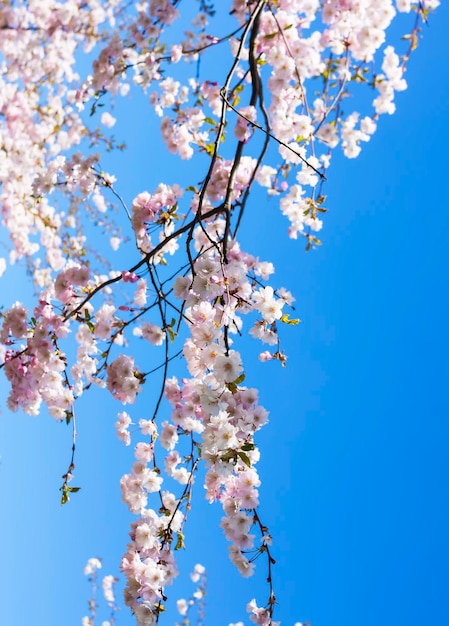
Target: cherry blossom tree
(295,81)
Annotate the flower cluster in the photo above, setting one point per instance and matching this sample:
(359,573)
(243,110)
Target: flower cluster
(184,283)
(123,380)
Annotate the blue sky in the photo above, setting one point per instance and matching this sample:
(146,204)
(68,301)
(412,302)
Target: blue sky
(354,459)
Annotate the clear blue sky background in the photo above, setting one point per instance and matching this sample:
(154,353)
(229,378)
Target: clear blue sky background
(355,463)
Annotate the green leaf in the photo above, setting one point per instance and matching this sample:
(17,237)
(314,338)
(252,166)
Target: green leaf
(286,319)
(180,541)
(229,455)
(198,447)
(248,446)
(240,379)
(171,334)
(65,493)
(244,458)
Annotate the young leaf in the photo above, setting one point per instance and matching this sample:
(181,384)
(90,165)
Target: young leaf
(286,319)
(244,458)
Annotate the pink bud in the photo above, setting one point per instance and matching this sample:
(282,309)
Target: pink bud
(129,277)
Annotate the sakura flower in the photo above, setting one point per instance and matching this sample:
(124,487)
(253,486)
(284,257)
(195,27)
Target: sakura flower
(182,606)
(108,120)
(108,588)
(115,243)
(243,128)
(258,615)
(122,381)
(153,333)
(144,452)
(91,566)
(122,424)
(169,436)
(198,571)
(140,295)
(228,368)
(267,304)
(14,323)
(245,567)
